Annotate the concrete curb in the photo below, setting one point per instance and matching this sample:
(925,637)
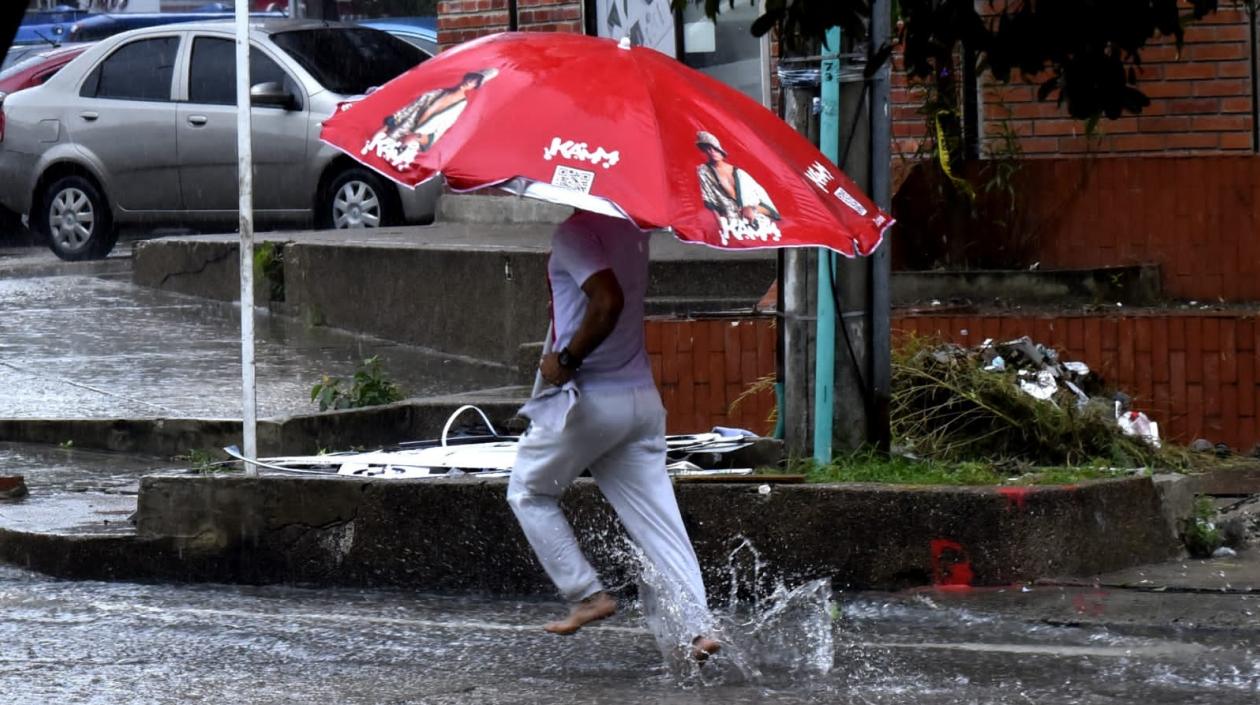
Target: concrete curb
(293,435)
(459,534)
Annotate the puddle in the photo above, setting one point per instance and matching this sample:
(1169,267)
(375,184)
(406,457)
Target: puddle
(86,347)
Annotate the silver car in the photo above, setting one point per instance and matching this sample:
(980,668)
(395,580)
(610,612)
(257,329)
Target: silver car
(141,130)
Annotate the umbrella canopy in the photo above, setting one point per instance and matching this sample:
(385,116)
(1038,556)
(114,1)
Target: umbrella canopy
(602,126)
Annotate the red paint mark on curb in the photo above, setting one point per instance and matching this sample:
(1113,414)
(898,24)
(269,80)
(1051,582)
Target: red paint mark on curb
(1092,604)
(12,486)
(1016,496)
(951,566)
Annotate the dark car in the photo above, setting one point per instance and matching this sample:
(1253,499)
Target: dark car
(48,26)
(420,31)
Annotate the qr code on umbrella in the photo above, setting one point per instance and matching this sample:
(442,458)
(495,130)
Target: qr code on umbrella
(573,179)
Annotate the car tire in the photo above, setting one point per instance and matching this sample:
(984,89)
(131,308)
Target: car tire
(76,219)
(358,198)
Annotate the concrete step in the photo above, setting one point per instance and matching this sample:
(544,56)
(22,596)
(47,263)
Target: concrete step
(694,306)
(477,291)
(1136,285)
(723,278)
(497,209)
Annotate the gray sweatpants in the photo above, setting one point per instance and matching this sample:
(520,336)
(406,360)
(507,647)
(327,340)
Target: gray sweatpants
(620,435)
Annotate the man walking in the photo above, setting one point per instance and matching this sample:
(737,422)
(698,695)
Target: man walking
(606,415)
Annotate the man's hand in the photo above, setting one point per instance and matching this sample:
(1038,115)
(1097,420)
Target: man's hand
(750,214)
(552,372)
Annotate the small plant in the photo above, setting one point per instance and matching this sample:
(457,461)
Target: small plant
(204,462)
(66,445)
(269,265)
(1200,532)
(369,387)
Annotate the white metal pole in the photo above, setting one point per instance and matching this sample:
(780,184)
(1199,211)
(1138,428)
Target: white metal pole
(245,180)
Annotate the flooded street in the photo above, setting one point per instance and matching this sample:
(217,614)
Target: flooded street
(85,346)
(67,642)
(77,346)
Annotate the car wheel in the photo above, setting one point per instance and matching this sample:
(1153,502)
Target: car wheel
(76,220)
(357,198)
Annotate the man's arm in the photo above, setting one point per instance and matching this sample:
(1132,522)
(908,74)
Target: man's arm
(605,301)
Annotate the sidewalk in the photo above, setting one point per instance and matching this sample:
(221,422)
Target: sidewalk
(77,345)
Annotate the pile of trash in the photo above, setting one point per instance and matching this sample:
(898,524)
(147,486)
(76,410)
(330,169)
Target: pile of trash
(1014,401)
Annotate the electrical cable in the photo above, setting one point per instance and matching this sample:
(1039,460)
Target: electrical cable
(867,393)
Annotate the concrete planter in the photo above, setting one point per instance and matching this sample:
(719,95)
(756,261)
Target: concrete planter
(459,535)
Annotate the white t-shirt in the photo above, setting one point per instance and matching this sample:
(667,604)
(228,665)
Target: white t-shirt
(584,244)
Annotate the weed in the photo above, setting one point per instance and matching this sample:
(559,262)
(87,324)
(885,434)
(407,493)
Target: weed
(761,386)
(269,265)
(369,387)
(66,444)
(1200,533)
(205,462)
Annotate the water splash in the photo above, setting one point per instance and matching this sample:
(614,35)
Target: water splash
(767,629)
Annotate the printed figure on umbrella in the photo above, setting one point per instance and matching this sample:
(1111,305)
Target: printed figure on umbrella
(744,209)
(420,124)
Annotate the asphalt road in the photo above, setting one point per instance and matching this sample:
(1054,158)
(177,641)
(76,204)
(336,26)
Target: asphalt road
(76,342)
(99,643)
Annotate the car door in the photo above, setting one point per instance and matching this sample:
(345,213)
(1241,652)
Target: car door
(125,121)
(206,129)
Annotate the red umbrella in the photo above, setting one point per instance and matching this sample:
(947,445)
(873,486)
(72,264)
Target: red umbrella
(605,127)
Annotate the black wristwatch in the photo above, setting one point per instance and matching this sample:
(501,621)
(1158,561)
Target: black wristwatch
(569,361)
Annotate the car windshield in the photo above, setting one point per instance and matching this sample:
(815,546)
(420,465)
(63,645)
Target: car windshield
(19,53)
(349,61)
(21,65)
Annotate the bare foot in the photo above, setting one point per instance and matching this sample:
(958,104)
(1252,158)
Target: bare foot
(592,609)
(702,647)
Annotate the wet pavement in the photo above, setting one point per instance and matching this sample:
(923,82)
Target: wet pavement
(77,340)
(80,341)
(75,491)
(54,470)
(154,644)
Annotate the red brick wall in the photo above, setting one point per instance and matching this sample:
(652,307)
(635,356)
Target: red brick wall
(461,20)
(1198,218)
(702,367)
(1195,373)
(550,15)
(1200,101)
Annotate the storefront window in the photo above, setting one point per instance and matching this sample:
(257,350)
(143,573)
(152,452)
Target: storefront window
(646,22)
(725,49)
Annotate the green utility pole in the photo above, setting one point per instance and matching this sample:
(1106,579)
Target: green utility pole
(825,352)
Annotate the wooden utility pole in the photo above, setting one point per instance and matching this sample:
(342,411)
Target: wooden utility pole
(798,282)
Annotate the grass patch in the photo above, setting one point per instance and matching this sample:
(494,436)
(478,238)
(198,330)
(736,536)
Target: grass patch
(869,466)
